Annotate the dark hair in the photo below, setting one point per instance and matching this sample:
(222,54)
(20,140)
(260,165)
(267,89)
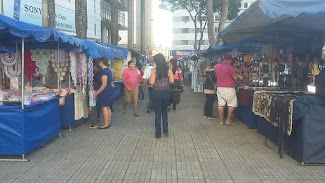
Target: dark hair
(96,62)
(234,60)
(162,67)
(130,62)
(105,61)
(174,64)
(212,64)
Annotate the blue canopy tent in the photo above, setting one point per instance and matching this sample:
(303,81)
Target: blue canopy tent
(26,128)
(268,17)
(120,52)
(302,22)
(248,44)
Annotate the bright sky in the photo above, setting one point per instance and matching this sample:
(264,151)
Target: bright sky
(162,25)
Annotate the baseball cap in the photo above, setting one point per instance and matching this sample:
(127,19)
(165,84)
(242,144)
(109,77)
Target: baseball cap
(227,56)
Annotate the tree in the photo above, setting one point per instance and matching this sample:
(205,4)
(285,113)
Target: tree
(210,18)
(81,18)
(223,19)
(114,22)
(196,10)
(229,10)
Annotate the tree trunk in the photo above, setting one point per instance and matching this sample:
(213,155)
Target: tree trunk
(114,22)
(51,13)
(195,34)
(81,18)
(223,19)
(210,18)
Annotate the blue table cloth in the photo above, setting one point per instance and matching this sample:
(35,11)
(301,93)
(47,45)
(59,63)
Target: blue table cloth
(67,113)
(23,130)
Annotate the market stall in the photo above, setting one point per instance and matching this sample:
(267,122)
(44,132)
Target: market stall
(31,57)
(292,59)
(74,108)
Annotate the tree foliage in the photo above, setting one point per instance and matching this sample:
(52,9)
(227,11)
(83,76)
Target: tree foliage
(233,11)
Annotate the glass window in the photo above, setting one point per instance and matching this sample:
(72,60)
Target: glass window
(121,18)
(204,18)
(245,5)
(184,42)
(216,30)
(105,10)
(185,18)
(185,30)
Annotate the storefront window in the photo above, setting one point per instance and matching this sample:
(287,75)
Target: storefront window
(105,10)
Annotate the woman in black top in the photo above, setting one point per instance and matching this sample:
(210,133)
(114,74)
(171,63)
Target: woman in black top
(209,90)
(160,79)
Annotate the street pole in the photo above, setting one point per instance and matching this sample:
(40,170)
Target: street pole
(130,23)
(143,25)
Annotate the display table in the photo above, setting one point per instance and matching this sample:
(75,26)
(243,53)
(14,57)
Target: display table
(306,142)
(67,113)
(23,130)
(244,111)
(118,90)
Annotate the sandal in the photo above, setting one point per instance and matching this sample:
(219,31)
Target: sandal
(106,127)
(136,114)
(228,124)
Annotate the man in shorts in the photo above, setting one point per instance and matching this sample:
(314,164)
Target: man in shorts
(226,78)
(130,80)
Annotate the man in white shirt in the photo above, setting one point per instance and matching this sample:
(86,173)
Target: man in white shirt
(146,76)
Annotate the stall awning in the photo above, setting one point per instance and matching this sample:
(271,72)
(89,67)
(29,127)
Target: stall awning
(97,50)
(222,49)
(119,52)
(11,32)
(303,17)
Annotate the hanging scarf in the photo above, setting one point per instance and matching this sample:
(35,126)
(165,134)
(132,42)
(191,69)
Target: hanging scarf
(90,72)
(30,65)
(80,70)
(85,76)
(74,67)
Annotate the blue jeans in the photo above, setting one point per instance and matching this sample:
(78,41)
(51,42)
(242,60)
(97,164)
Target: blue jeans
(150,106)
(160,101)
(141,93)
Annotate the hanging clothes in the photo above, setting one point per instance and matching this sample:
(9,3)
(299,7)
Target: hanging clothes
(30,65)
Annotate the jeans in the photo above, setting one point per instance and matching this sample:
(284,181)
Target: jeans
(160,101)
(141,93)
(150,106)
(94,116)
(208,107)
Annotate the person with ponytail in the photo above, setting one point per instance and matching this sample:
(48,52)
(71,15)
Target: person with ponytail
(104,93)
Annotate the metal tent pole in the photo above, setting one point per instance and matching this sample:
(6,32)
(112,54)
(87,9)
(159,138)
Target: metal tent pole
(22,70)
(58,67)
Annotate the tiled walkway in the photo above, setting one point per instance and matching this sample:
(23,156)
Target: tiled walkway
(197,150)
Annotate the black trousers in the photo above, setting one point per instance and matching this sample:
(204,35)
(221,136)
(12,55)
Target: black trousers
(208,107)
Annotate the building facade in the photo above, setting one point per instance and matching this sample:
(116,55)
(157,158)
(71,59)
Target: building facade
(184,32)
(99,22)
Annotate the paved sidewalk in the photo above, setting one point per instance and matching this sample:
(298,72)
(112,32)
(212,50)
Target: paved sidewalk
(197,150)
